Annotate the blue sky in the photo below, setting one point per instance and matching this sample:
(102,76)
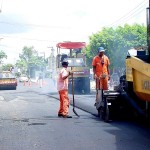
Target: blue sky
(43,23)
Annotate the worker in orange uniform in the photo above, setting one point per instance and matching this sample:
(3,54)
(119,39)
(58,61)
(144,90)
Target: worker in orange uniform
(62,87)
(100,65)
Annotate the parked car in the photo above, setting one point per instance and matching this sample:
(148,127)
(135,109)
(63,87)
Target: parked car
(23,78)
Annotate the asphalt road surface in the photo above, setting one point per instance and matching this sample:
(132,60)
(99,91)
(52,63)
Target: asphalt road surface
(28,121)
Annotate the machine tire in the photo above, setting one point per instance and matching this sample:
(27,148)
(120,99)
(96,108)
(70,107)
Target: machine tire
(104,112)
(101,113)
(107,113)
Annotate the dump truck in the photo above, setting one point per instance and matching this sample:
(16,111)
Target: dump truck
(72,51)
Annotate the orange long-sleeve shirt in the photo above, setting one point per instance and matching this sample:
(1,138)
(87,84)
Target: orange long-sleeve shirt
(99,67)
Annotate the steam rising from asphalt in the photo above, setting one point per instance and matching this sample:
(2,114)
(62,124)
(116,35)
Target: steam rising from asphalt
(48,85)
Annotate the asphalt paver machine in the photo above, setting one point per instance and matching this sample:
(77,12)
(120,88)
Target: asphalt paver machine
(133,91)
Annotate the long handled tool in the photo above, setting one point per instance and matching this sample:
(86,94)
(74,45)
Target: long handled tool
(73,96)
(99,93)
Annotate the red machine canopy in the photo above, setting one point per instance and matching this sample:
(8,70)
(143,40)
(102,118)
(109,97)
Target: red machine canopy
(71,45)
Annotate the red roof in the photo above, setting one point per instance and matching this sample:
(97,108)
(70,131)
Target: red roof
(71,45)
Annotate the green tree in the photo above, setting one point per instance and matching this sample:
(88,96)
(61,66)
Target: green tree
(7,67)
(29,59)
(116,42)
(2,56)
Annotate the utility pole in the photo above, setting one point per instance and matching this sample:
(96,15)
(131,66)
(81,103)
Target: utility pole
(148,30)
(1,57)
(1,6)
(52,62)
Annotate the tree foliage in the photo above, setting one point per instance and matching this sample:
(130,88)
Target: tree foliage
(2,55)
(7,67)
(116,42)
(29,59)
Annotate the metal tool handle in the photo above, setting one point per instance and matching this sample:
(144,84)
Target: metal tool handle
(73,96)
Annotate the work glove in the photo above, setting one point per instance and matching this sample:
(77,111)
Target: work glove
(108,77)
(95,76)
(70,72)
(103,76)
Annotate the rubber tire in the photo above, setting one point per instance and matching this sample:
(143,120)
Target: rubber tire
(107,113)
(104,113)
(101,113)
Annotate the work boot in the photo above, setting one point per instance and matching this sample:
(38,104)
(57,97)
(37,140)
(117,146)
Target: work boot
(60,115)
(95,103)
(66,116)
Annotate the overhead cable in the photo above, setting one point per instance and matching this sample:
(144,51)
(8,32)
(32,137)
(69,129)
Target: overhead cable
(134,12)
(33,25)
(30,39)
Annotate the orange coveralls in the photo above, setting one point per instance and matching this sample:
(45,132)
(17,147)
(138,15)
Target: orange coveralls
(101,69)
(62,87)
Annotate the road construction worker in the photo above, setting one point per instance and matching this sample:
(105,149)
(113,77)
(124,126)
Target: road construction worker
(101,73)
(62,87)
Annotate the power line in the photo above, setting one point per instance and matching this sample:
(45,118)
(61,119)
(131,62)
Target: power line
(134,12)
(130,12)
(30,39)
(131,16)
(33,25)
